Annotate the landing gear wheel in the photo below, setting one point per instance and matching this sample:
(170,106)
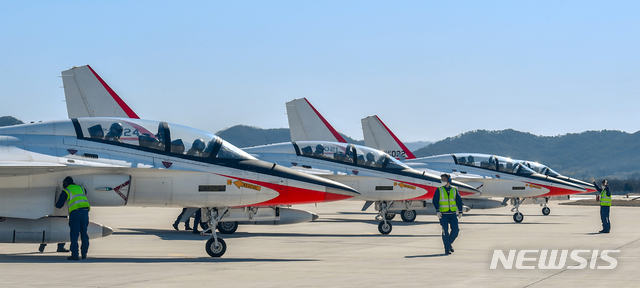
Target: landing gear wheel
(385,227)
(518,217)
(215,250)
(227,227)
(389,216)
(546,211)
(408,215)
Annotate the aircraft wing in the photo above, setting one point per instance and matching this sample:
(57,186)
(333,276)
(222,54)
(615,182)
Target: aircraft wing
(377,135)
(87,95)
(306,123)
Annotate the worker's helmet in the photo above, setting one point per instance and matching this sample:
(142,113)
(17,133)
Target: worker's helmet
(67,181)
(115,130)
(198,144)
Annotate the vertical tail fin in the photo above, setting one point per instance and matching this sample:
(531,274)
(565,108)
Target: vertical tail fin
(87,95)
(377,135)
(306,123)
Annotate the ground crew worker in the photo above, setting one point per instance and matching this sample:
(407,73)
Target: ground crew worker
(605,204)
(76,198)
(448,206)
(186,223)
(196,221)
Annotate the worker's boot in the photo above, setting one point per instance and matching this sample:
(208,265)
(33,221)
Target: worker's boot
(61,248)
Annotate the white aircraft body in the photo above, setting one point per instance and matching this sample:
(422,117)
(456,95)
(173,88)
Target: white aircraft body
(310,124)
(509,179)
(500,176)
(390,184)
(143,163)
(379,178)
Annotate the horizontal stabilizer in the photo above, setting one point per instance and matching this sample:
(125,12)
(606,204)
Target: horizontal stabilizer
(18,164)
(366,205)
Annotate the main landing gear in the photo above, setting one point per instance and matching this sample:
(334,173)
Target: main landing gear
(517,217)
(228,227)
(385,226)
(215,246)
(408,215)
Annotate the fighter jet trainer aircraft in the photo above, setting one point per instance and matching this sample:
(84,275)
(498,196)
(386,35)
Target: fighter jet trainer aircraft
(379,178)
(143,163)
(494,176)
(515,180)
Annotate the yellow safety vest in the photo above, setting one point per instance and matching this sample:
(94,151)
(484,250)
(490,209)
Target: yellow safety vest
(604,199)
(76,198)
(448,200)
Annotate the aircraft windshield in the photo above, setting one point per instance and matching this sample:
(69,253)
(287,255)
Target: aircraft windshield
(228,151)
(541,168)
(349,153)
(156,135)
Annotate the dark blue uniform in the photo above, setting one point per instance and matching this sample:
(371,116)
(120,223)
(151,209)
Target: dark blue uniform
(604,210)
(78,223)
(449,219)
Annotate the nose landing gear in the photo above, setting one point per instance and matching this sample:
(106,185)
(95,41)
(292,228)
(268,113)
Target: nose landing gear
(215,246)
(385,226)
(517,217)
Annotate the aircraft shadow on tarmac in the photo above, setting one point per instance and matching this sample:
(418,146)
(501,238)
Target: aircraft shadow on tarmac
(426,256)
(37,257)
(418,221)
(186,235)
(374,222)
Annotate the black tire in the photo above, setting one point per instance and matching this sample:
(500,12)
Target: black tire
(546,211)
(227,227)
(204,225)
(385,228)
(408,215)
(213,250)
(389,216)
(518,217)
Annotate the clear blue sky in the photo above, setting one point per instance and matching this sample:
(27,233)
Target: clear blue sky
(429,69)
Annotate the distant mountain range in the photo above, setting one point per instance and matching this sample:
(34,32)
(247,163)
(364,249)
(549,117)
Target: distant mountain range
(9,120)
(581,155)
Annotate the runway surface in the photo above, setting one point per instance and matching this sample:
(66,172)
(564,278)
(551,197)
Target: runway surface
(341,249)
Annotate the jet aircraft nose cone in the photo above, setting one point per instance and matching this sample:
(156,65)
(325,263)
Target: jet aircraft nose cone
(106,231)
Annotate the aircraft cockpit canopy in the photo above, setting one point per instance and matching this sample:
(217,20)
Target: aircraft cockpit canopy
(348,153)
(491,162)
(156,136)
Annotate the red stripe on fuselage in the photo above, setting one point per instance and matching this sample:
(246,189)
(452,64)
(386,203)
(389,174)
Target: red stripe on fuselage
(557,191)
(406,150)
(289,195)
(115,96)
(431,190)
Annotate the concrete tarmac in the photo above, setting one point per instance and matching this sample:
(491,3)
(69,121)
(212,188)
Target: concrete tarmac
(341,249)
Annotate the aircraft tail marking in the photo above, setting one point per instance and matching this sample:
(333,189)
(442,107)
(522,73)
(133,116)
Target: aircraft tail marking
(115,96)
(306,123)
